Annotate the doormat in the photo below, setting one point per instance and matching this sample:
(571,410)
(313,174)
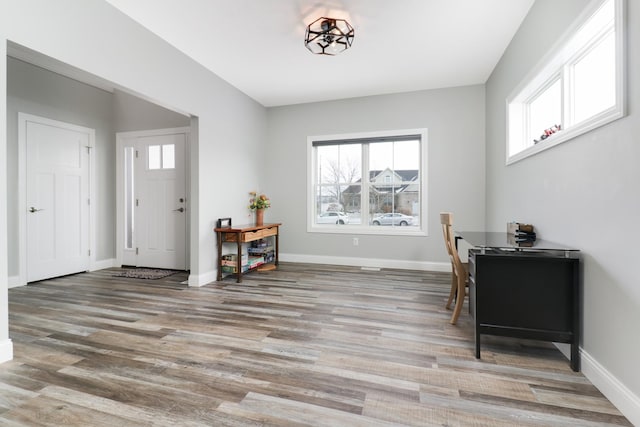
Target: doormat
(145,273)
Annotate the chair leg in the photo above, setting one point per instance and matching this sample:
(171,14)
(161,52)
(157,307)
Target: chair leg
(454,288)
(459,300)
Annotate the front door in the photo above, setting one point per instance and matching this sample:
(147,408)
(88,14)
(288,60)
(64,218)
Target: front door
(155,208)
(57,196)
(161,219)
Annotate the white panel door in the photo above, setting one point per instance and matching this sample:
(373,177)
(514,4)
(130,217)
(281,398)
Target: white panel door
(57,195)
(160,213)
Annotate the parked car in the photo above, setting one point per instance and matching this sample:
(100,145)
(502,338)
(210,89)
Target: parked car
(332,218)
(392,219)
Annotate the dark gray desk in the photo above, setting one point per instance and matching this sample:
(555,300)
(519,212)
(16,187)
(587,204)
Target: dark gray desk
(524,291)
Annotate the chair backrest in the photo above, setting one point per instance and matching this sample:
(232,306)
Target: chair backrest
(446,219)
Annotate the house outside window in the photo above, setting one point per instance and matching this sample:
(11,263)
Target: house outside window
(370,183)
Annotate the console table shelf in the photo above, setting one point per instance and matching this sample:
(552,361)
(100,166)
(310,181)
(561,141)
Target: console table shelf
(244,234)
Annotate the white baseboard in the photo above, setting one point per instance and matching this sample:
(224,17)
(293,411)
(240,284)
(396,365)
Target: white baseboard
(102,264)
(6,350)
(368,262)
(211,276)
(202,279)
(622,398)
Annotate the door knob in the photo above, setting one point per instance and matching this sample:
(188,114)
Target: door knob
(32,209)
(179,210)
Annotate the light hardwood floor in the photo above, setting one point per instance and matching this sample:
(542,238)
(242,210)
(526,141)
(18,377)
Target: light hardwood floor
(303,345)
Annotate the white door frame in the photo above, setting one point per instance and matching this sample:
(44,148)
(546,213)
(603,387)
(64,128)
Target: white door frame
(121,138)
(23,118)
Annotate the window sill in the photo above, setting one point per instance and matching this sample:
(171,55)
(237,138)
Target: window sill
(595,122)
(373,230)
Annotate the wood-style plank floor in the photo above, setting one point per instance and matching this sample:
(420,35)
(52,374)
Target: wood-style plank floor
(305,345)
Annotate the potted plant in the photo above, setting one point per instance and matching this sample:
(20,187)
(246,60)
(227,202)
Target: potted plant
(259,203)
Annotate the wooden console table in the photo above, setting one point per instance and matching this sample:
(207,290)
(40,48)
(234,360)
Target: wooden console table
(244,234)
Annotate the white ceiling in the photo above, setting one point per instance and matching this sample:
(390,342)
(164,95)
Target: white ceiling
(400,45)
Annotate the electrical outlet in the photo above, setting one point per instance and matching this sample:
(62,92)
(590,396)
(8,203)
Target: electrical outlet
(355,241)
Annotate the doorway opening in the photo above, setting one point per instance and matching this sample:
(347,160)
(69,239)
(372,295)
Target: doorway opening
(105,107)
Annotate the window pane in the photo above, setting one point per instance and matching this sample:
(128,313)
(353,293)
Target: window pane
(601,20)
(400,155)
(154,157)
(394,185)
(339,166)
(128,197)
(545,111)
(595,80)
(168,156)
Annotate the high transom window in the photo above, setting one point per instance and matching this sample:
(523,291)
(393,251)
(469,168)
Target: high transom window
(578,87)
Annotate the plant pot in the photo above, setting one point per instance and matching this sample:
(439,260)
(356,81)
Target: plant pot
(259,216)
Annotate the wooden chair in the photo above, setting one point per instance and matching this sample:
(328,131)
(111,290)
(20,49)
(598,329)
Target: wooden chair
(459,270)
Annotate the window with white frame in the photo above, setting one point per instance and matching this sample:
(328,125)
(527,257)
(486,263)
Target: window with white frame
(161,156)
(368,183)
(580,86)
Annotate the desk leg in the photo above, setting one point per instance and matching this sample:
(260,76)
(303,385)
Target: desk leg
(239,259)
(477,343)
(576,328)
(219,236)
(575,356)
(277,247)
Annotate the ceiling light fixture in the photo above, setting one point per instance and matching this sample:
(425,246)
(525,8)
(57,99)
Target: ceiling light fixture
(328,36)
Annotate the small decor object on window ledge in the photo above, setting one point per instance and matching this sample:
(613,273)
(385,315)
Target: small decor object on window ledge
(548,132)
(259,203)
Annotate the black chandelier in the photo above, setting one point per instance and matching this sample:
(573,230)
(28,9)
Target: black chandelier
(328,36)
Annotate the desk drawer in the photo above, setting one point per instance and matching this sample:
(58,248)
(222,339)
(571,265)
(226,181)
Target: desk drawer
(269,231)
(229,237)
(250,236)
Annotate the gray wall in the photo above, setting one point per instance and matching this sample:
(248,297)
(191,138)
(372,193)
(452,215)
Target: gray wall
(131,113)
(455,121)
(40,92)
(584,193)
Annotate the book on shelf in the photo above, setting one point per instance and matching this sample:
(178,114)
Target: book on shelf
(261,243)
(231,259)
(233,269)
(252,263)
(260,250)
